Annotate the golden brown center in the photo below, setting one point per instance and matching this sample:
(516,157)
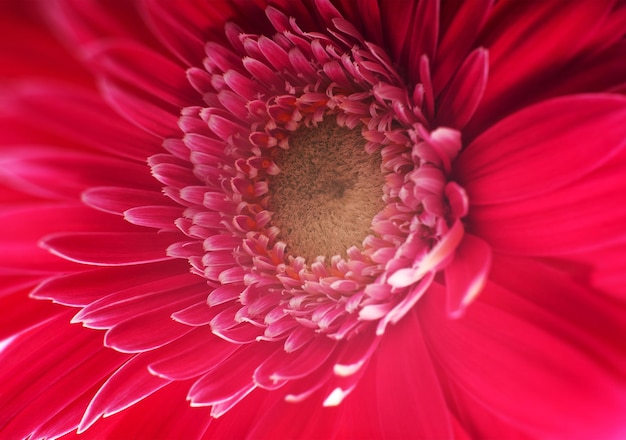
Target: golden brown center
(327,192)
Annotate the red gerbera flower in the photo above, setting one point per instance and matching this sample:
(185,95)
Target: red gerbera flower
(357,219)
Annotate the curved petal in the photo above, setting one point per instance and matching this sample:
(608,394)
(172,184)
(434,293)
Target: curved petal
(111,249)
(576,218)
(39,111)
(528,42)
(467,274)
(410,401)
(532,152)
(135,381)
(147,73)
(535,378)
(51,172)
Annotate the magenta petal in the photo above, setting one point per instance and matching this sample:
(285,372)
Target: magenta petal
(305,361)
(467,274)
(536,293)
(129,384)
(161,217)
(535,377)
(230,377)
(412,31)
(575,218)
(184,28)
(158,416)
(116,200)
(110,249)
(23,227)
(460,99)
(464,20)
(530,41)
(29,367)
(123,303)
(76,386)
(39,171)
(532,152)
(146,72)
(146,115)
(410,400)
(192,355)
(94,124)
(86,287)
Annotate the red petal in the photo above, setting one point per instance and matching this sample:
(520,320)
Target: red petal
(111,249)
(231,376)
(192,355)
(409,398)
(94,124)
(572,219)
(86,287)
(533,377)
(146,72)
(467,273)
(529,42)
(461,22)
(534,151)
(131,383)
(146,115)
(57,173)
(461,98)
(116,200)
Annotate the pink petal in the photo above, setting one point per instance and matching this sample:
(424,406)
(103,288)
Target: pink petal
(146,72)
(532,152)
(151,329)
(461,98)
(116,200)
(528,42)
(119,305)
(144,114)
(230,377)
(571,219)
(410,400)
(161,217)
(110,249)
(38,171)
(464,21)
(86,287)
(305,361)
(533,377)
(95,125)
(76,387)
(412,31)
(23,227)
(128,385)
(186,27)
(192,355)
(467,273)
(553,298)
(439,254)
(30,372)
(159,415)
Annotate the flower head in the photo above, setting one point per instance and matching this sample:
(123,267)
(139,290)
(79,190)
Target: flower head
(315,219)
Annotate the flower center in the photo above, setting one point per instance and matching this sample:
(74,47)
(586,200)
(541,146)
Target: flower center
(327,192)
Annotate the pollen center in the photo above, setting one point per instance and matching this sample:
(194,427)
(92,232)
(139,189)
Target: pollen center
(328,191)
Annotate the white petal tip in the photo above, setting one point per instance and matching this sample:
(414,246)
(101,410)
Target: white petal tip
(347,370)
(335,398)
